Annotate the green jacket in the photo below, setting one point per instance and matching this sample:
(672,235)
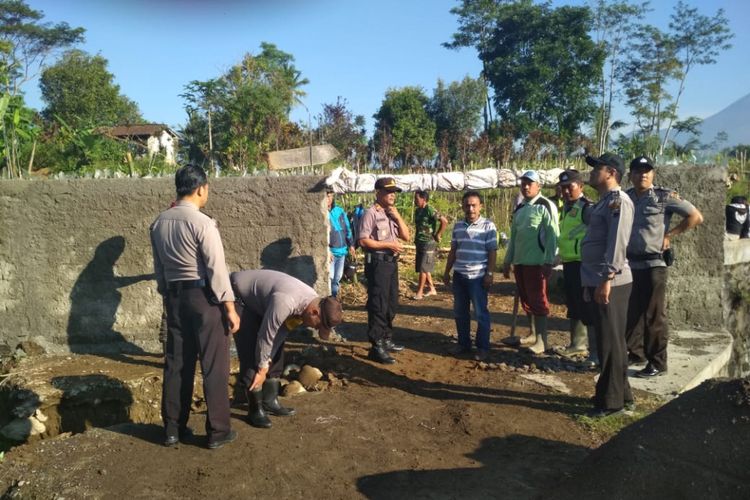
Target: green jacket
(533,233)
(572,230)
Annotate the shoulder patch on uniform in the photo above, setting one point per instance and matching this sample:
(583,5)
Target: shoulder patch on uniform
(615,203)
(675,195)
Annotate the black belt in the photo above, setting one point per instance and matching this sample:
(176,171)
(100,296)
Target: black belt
(175,286)
(644,256)
(385,257)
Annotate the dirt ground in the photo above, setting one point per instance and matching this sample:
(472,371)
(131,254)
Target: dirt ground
(429,426)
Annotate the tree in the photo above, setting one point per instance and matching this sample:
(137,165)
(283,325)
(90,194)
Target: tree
(346,132)
(25,43)
(615,23)
(404,114)
(456,110)
(543,67)
(475,21)
(31,41)
(247,109)
(80,90)
(652,65)
(698,40)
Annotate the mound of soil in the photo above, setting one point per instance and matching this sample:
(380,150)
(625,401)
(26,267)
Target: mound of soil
(697,446)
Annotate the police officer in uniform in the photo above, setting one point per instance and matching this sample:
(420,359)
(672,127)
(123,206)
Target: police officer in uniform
(647,331)
(606,278)
(192,275)
(271,304)
(574,215)
(380,230)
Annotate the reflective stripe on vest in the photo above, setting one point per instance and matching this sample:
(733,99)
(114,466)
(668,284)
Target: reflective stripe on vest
(572,231)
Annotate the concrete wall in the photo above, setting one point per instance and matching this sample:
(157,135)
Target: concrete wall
(75,257)
(737,304)
(696,280)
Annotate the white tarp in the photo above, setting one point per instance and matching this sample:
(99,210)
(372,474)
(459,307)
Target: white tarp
(342,180)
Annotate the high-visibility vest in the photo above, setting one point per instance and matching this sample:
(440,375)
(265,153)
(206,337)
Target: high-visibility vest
(572,231)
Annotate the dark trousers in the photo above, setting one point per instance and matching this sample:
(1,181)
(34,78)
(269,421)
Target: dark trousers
(612,388)
(195,331)
(382,298)
(647,331)
(246,340)
(577,310)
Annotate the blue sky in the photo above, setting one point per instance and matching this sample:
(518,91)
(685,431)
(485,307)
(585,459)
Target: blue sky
(355,49)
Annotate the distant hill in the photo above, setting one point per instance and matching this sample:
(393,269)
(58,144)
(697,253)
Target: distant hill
(734,120)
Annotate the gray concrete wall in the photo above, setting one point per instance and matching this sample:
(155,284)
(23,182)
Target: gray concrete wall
(696,280)
(75,257)
(737,304)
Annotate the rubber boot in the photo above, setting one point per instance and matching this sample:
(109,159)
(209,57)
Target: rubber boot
(578,339)
(256,416)
(540,325)
(271,399)
(530,339)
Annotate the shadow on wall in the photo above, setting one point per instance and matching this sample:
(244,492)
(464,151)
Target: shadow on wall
(515,466)
(94,300)
(277,256)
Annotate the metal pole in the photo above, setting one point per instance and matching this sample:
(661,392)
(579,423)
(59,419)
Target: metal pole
(309,136)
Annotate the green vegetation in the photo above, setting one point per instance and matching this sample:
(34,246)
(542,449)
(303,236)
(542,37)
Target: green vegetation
(538,102)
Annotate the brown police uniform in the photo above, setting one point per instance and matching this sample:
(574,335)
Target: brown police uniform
(381,271)
(192,275)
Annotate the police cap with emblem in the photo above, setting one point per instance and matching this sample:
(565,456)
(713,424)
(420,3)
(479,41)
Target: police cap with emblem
(641,162)
(569,177)
(387,184)
(607,160)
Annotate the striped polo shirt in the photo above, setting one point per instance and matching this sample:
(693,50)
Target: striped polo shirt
(472,243)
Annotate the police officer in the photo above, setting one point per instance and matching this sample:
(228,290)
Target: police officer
(192,275)
(647,330)
(380,230)
(271,304)
(606,278)
(574,215)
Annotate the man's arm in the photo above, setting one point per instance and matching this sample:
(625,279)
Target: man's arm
(212,250)
(271,327)
(491,263)
(161,282)
(449,264)
(618,235)
(693,219)
(443,224)
(403,229)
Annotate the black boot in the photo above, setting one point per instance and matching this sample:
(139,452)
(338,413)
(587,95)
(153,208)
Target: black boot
(256,416)
(379,353)
(271,399)
(390,346)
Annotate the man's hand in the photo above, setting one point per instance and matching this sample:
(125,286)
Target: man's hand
(665,245)
(487,281)
(447,278)
(547,270)
(396,246)
(233,319)
(506,271)
(352,251)
(259,378)
(392,212)
(601,294)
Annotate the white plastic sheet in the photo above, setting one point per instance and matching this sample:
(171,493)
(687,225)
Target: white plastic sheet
(342,180)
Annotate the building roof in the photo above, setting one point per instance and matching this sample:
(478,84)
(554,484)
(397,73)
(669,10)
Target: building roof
(144,130)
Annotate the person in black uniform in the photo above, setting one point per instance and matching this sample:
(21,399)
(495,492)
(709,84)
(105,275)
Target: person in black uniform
(380,230)
(607,281)
(647,332)
(192,276)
